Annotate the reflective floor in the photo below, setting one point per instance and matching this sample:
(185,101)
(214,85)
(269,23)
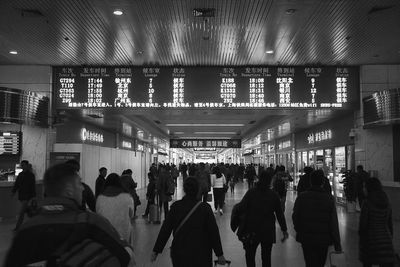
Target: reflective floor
(283,254)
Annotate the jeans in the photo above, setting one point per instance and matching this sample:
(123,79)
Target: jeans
(314,255)
(266,248)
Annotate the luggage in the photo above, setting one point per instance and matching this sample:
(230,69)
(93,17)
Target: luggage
(337,259)
(228,263)
(209,197)
(154,212)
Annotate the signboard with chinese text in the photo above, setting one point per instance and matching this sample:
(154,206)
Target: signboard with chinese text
(205,143)
(206,87)
(10,143)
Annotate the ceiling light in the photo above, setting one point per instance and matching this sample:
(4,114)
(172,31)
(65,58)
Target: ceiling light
(290,11)
(179,132)
(118,12)
(206,137)
(204,124)
(269,52)
(13,52)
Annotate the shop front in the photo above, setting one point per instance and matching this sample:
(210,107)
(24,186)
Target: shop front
(285,156)
(327,147)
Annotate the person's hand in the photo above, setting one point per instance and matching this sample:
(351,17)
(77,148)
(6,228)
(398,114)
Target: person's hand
(221,260)
(285,236)
(153,256)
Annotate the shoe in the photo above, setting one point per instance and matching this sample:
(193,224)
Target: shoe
(144,215)
(221,212)
(215,211)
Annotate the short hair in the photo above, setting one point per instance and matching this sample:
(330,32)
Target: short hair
(113,179)
(24,162)
(317,178)
(191,187)
(57,177)
(265,177)
(74,163)
(373,185)
(308,169)
(102,169)
(360,167)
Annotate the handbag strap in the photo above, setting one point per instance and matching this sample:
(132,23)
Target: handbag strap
(187,217)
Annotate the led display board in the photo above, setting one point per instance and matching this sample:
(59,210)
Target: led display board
(10,143)
(205,143)
(206,87)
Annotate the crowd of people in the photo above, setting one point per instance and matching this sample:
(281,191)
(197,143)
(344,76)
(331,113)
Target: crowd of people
(73,218)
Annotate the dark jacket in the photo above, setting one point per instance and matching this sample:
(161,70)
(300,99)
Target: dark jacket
(260,206)
(129,184)
(88,198)
(100,181)
(42,234)
(376,230)
(195,241)
(315,218)
(162,186)
(25,185)
(304,183)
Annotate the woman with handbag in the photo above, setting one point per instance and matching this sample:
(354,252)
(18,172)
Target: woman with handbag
(218,182)
(195,230)
(256,214)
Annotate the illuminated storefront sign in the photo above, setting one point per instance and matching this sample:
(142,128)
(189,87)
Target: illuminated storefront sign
(284,144)
(202,143)
(87,135)
(140,147)
(127,144)
(319,136)
(206,87)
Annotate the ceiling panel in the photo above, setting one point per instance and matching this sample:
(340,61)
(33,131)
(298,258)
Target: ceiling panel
(166,33)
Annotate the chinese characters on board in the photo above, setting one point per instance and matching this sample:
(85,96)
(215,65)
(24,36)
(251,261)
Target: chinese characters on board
(319,136)
(250,87)
(87,135)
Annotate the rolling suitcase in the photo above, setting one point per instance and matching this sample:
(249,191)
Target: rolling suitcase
(228,263)
(154,212)
(337,259)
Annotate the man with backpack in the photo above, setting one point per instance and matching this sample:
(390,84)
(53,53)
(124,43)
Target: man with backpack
(60,227)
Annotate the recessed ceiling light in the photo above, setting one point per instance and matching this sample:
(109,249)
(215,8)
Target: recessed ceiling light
(269,52)
(290,11)
(118,12)
(13,52)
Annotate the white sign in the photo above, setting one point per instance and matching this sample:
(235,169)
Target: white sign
(91,136)
(140,147)
(319,136)
(126,144)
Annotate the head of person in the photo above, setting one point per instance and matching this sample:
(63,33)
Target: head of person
(75,164)
(191,187)
(308,170)
(25,165)
(62,180)
(113,180)
(103,172)
(150,176)
(265,178)
(360,168)
(217,171)
(373,185)
(317,178)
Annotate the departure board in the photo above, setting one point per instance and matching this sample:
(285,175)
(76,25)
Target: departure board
(10,143)
(206,87)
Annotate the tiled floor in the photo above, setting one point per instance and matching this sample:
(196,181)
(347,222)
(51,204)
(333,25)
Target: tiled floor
(283,254)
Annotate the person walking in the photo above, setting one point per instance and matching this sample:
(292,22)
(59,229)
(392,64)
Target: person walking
(376,227)
(280,184)
(316,228)
(360,179)
(116,204)
(195,230)
(304,182)
(218,182)
(130,186)
(257,212)
(150,194)
(203,179)
(25,185)
(101,179)
(162,183)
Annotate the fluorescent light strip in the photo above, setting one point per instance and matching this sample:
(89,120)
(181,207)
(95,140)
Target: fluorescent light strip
(178,132)
(215,132)
(204,137)
(205,124)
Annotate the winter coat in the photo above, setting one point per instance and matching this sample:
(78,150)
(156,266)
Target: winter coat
(203,178)
(315,218)
(195,241)
(117,206)
(162,186)
(25,185)
(376,230)
(260,205)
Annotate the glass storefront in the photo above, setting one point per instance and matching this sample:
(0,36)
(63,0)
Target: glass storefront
(340,167)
